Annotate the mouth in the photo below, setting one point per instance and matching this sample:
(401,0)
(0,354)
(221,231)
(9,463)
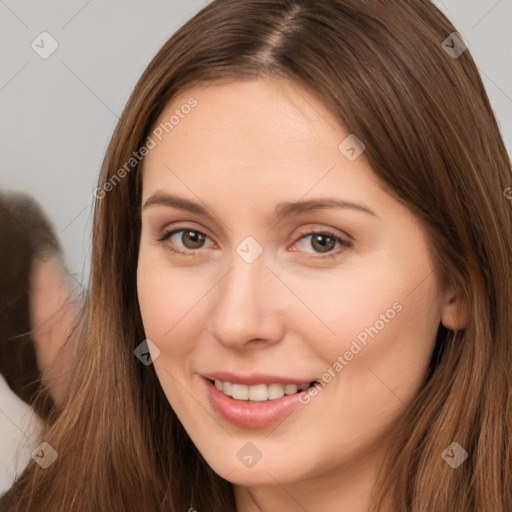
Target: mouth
(259,392)
(254,401)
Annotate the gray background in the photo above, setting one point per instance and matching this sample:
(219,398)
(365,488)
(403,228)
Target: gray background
(57,114)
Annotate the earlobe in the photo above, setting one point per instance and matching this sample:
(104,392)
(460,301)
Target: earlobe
(455,315)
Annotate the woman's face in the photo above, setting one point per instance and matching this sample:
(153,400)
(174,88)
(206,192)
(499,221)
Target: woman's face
(250,275)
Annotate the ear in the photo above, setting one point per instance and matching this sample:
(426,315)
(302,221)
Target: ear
(455,314)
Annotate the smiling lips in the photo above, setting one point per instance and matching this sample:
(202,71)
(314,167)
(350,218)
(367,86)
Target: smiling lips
(255,401)
(257,387)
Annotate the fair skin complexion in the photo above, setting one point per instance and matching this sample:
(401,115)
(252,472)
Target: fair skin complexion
(246,147)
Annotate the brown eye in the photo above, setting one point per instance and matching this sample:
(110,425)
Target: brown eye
(322,242)
(192,239)
(184,241)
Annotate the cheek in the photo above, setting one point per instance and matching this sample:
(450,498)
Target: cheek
(343,306)
(387,347)
(170,302)
(388,317)
(166,303)
(155,303)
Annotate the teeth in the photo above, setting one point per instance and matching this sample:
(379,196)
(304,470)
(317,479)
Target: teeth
(226,388)
(240,392)
(275,391)
(259,392)
(290,389)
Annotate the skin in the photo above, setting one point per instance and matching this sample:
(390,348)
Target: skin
(247,146)
(52,313)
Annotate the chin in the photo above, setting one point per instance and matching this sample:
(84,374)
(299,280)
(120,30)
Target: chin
(265,471)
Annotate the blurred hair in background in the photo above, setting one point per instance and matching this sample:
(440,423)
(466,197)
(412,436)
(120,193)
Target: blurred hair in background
(37,305)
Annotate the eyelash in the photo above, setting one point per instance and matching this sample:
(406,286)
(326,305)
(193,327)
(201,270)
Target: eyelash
(345,244)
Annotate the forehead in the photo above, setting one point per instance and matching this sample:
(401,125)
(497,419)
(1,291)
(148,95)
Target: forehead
(263,119)
(252,138)
(272,99)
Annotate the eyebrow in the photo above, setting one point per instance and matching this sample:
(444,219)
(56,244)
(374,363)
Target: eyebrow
(286,209)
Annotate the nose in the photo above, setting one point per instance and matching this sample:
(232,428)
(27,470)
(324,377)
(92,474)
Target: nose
(249,306)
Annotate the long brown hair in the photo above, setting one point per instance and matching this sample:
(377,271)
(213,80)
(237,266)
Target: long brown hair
(432,139)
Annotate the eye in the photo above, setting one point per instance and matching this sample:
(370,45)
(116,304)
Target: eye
(191,240)
(324,242)
(188,241)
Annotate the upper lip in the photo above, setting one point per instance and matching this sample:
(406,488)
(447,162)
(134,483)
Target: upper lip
(254,378)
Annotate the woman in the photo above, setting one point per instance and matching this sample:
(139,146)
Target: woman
(300,294)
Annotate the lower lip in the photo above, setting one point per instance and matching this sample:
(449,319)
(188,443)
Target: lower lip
(251,414)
